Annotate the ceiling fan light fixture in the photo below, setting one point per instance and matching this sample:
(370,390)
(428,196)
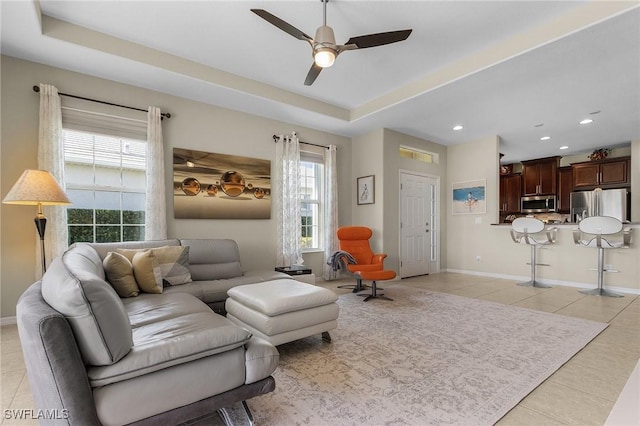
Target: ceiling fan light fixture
(324,57)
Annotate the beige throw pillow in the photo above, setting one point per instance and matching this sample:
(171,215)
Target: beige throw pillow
(173,262)
(119,272)
(147,272)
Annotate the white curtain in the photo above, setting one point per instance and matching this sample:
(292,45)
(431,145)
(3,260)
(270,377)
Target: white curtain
(51,158)
(289,222)
(156,204)
(330,211)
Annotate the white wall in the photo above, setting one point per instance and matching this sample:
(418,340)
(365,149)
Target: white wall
(193,125)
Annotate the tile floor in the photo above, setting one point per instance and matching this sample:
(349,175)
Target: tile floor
(582,392)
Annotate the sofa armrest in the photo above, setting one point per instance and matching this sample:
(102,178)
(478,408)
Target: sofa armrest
(261,359)
(55,368)
(378,258)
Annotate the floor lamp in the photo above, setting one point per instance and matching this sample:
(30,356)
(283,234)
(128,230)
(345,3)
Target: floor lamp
(37,187)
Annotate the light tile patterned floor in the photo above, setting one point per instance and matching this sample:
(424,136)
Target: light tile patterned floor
(582,392)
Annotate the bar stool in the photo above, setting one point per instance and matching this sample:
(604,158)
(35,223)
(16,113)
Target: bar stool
(523,231)
(591,232)
(374,276)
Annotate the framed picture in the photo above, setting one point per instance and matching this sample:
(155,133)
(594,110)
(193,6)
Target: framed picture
(366,190)
(218,186)
(469,197)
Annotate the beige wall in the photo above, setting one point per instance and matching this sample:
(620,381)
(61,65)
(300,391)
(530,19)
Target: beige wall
(467,235)
(193,125)
(367,159)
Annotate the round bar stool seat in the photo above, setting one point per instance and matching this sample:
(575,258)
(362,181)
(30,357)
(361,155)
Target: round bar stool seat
(528,230)
(602,232)
(374,276)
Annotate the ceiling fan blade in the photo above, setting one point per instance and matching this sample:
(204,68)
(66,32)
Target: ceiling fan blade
(284,26)
(379,39)
(312,74)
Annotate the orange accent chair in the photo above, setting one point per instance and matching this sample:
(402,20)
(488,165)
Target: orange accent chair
(355,241)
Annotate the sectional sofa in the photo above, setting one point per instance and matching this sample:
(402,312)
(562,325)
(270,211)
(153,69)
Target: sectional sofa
(95,356)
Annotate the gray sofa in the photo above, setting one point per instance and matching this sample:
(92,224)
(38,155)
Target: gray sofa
(95,358)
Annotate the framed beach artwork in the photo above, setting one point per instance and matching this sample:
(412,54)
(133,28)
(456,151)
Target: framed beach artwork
(366,190)
(207,185)
(469,197)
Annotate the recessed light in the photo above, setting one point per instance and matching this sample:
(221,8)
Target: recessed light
(458,127)
(586,121)
(538,125)
(545,138)
(564,147)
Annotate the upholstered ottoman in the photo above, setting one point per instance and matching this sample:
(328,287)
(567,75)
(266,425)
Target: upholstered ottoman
(282,311)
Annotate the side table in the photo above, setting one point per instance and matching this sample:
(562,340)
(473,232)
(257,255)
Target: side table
(298,273)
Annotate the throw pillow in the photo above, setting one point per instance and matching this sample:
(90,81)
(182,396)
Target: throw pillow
(119,271)
(147,272)
(173,262)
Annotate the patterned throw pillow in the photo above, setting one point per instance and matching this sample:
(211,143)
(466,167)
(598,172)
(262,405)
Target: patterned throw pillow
(119,272)
(173,262)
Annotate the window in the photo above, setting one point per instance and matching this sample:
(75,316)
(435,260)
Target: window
(418,155)
(311,182)
(105,180)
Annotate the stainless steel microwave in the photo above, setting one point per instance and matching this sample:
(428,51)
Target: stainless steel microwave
(538,204)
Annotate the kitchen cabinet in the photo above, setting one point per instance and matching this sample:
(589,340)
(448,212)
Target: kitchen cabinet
(565,186)
(510,191)
(539,177)
(608,173)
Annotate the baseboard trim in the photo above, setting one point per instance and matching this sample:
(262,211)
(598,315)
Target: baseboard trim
(7,321)
(635,292)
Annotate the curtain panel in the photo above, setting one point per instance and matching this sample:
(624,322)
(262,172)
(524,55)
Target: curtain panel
(289,222)
(51,158)
(330,211)
(156,197)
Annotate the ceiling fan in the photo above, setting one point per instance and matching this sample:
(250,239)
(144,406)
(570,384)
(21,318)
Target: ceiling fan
(325,49)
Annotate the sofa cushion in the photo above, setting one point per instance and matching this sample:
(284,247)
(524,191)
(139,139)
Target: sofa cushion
(149,308)
(74,285)
(213,259)
(174,338)
(119,272)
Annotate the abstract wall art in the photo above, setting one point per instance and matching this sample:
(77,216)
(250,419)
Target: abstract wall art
(220,186)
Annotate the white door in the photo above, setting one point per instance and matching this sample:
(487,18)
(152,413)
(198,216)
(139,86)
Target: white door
(418,224)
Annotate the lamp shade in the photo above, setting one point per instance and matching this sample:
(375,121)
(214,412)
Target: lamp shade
(36,187)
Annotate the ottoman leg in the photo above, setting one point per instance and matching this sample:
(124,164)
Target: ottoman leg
(326,336)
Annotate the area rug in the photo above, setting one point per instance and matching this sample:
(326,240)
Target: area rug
(424,359)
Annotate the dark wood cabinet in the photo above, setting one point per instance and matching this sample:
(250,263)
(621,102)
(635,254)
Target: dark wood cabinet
(608,173)
(510,191)
(565,186)
(539,177)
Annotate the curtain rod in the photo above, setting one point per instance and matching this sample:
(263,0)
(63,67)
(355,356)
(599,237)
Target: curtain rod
(162,115)
(276,137)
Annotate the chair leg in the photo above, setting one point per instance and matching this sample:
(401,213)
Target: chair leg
(374,294)
(533,282)
(600,291)
(357,287)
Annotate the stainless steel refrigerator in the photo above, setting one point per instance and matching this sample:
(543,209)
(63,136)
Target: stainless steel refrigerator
(600,202)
